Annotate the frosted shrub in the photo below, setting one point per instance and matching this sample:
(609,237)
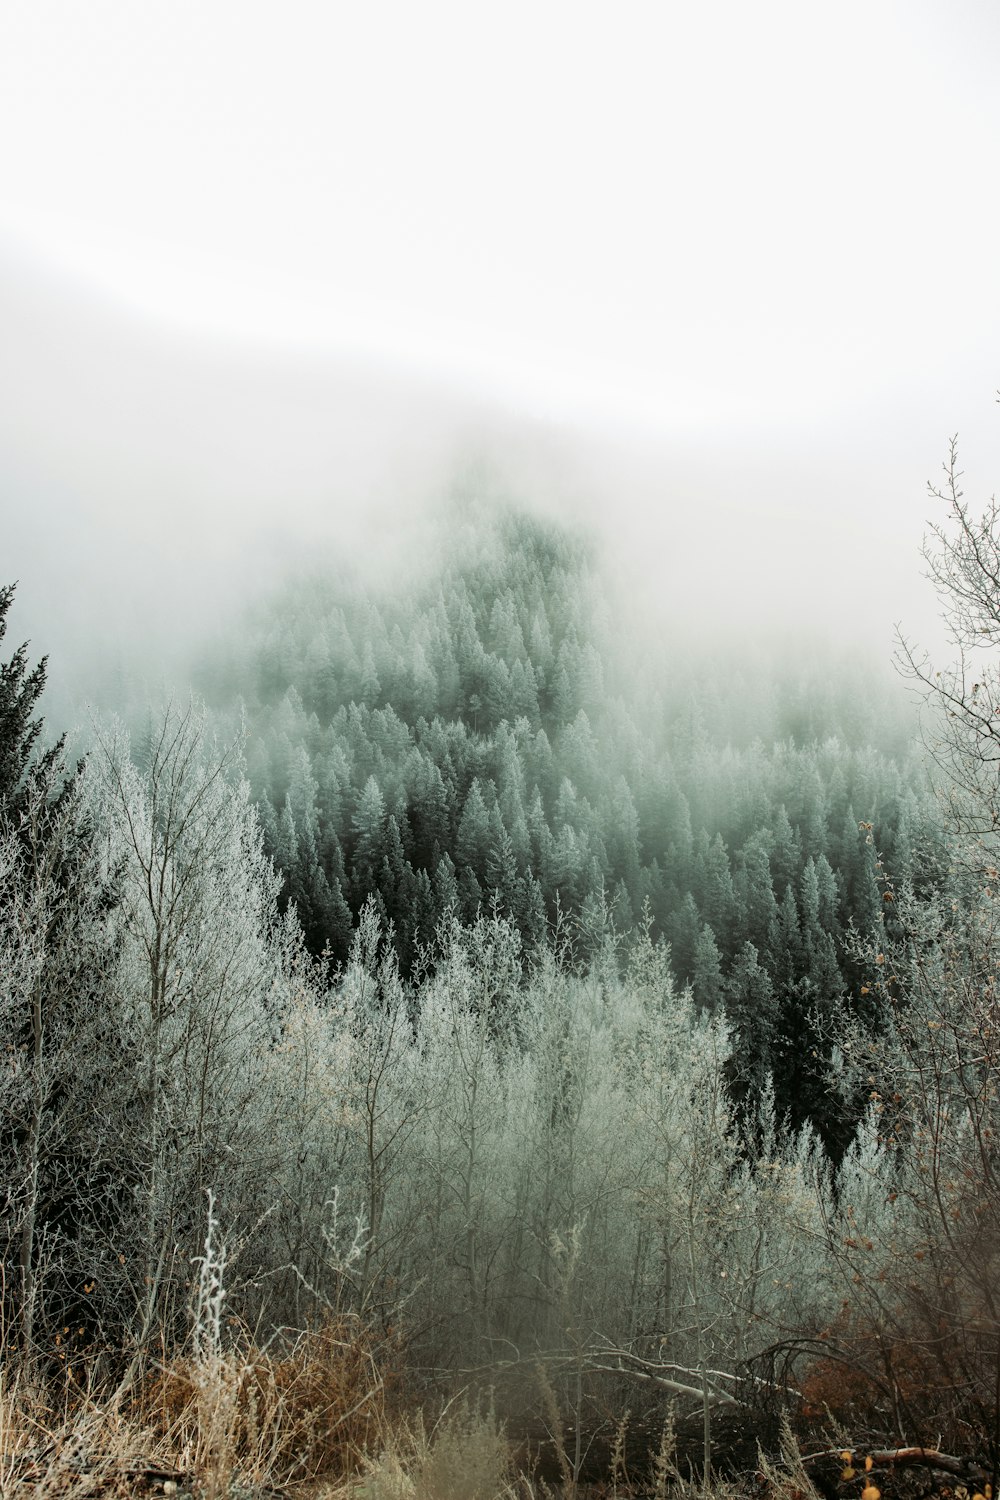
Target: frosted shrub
(464,1457)
(468,1134)
(215,1375)
(923,1255)
(309,1079)
(674,1110)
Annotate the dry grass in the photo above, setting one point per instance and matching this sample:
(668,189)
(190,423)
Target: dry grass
(237,1420)
(270,1418)
(74,1447)
(308,1421)
(464,1457)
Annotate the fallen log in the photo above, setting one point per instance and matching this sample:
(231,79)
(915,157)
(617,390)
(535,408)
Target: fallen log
(882,1458)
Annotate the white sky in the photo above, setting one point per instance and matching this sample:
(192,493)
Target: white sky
(676,215)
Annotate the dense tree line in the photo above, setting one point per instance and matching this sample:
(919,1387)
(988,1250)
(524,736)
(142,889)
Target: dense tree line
(485,741)
(504,1148)
(692,1049)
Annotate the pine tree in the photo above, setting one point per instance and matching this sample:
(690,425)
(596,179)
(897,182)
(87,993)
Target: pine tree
(784,853)
(446,895)
(337,920)
(829,896)
(54,1026)
(524,692)
(713,888)
(20,689)
(369,685)
(286,848)
(684,931)
(750,1010)
(785,941)
(541,839)
(473,841)
(428,814)
(706,981)
(623,835)
(501,868)
(369,839)
(418,915)
(622,911)
(753,886)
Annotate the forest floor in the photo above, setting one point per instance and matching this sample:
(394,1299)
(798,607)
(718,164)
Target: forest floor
(322,1421)
(466,1454)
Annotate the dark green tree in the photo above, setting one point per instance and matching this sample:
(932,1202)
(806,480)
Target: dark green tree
(706,981)
(751,1012)
(473,843)
(21,687)
(369,839)
(60,1153)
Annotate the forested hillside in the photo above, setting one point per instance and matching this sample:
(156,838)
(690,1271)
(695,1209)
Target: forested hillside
(492,738)
(616,1024)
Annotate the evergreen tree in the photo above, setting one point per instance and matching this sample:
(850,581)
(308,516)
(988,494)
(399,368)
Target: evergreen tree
(784,854)
(369,838)
(20,689)
(473,842)
(684,929)
(713,889)
(622,911)
(446,893)
(706,981)
(785,941)
(755,892)
(751,1013)
(623,836)
(370,688)
(501,868)
(56,1031)
(428,814)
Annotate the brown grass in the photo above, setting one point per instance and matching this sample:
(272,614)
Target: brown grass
(245,1417)
(308,1420)
(465,1456)
(51,1447)
(271,1416)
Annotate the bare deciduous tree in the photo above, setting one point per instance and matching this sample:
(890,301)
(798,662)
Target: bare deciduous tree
(963,733)
(201,976)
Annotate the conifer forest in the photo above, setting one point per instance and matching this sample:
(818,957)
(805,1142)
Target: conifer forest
(453,1048)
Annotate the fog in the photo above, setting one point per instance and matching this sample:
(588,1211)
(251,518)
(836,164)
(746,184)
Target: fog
(718,285)
(154,484)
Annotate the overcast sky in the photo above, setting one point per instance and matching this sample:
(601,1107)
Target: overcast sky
(753,245)
(670,212)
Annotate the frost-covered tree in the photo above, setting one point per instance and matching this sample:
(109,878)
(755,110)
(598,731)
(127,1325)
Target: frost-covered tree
(963,557)
(60,1125)
(921,1182)
(21,687)
(201,980)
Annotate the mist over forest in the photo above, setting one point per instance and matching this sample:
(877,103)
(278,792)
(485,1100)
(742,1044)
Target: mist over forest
(499,771)
(156,483)
(499,917)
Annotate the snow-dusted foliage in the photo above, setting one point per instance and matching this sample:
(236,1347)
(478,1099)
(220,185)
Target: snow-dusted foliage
(503,1154)
(536,1158)
(61,1113)
(201,977)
